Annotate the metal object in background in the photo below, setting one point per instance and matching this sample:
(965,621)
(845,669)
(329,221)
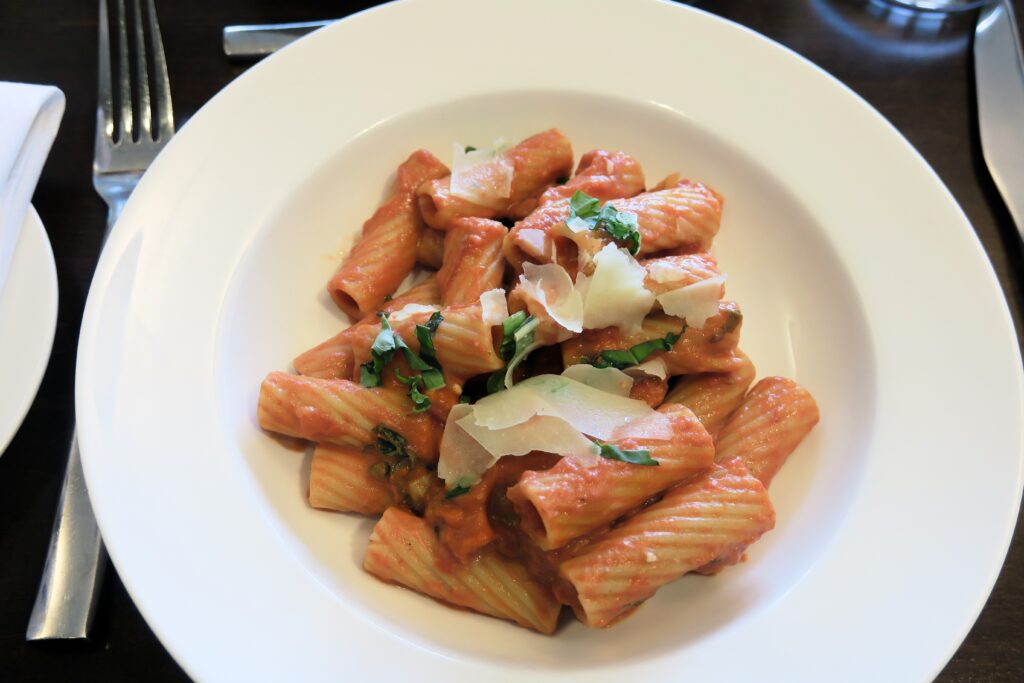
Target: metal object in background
(259,40)
(125,146)
(999,80)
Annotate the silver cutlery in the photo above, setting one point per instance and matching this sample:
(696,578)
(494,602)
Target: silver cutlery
(259,40)
(999,82)
(126,142)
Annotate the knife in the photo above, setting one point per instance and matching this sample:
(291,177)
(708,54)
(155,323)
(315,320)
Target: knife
(259,40)
(999,84)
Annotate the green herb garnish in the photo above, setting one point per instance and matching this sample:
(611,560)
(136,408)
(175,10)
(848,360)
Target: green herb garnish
(518,331)
(620,359)
(383,351)
(456,491)
(637,457)
(732,321)
(586,213)
(391,444)
(420,401)
(470,148)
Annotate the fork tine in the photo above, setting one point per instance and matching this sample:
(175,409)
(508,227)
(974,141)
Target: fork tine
(124,89)
(142,74)
(105,96)
(161,85)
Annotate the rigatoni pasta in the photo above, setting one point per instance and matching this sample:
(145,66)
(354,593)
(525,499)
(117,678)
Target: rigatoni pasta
(558,413)
(386,250)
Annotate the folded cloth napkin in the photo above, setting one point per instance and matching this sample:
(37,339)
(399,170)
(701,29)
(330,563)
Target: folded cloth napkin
(29,118)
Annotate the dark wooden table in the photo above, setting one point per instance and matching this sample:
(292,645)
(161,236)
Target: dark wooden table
(916,70)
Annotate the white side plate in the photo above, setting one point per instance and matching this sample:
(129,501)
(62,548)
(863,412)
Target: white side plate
(28,319)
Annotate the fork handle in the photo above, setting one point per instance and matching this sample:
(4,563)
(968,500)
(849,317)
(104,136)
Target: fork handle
(70,585)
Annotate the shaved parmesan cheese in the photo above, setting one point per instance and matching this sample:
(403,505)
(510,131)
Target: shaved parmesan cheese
(516,360)
(494,305)
(587,242)
(462,459)
(481,176)
(535,244)
(409,310)
(606,379)
(696,303)
(551,286)
(539,433)
(615,293)
(468,450)
(592,411)
(654,368)
(662,271)
(548,413)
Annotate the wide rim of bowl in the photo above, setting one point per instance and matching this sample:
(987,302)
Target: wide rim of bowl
(783,131)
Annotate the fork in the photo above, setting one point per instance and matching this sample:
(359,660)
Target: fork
(125,146)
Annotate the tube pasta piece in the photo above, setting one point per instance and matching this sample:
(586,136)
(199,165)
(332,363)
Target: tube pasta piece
(386,250)
(541,238)
(711,348)
(602,174)
(473,262)
(342,413)
(340,479)
(463,341)
(537,162)
(430,248)
(404,550)
(687,214)
(689,527)
(335,358)
(573,498)
(463,523)
(770,423)
(714,396)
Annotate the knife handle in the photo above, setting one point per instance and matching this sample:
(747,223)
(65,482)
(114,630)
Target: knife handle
(259,40)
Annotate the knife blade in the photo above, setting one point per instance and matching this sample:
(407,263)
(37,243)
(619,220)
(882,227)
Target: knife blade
(999,83)
(259,40)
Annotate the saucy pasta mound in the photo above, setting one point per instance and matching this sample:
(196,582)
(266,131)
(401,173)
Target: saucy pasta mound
(556,411)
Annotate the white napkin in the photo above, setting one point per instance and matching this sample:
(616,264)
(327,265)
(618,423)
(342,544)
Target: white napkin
(29,118)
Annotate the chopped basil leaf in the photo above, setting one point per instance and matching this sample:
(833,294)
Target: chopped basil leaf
(518,331)
(456,491)
(433,378)
(508,330)
(562,180)
(425,336)
(383,351)
(470,148)
(638,457)
(586,213)
(465,399)
(620,359)
(496,381)
(732,321)
(419,400)
(391,444)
